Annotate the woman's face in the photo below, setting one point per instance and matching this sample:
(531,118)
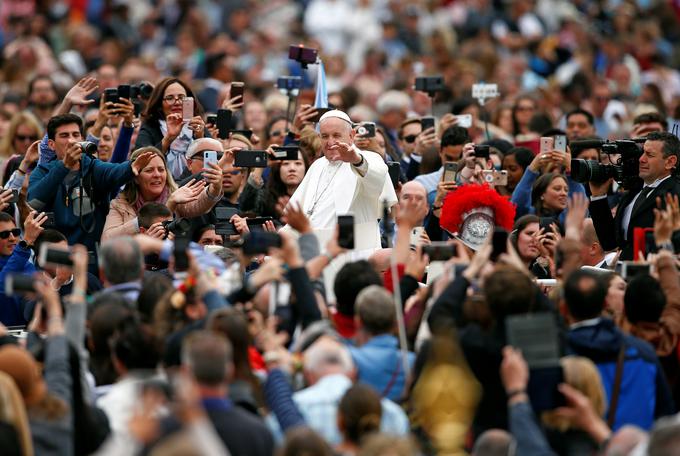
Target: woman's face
(526,242)
(380,139)
(277,133)
(524,110)
(613,302)
(172,99)
(152,179)
(505,120)
(292,171)
(515,172)
(254,116)
(555,196)
(24,136)
(105,148)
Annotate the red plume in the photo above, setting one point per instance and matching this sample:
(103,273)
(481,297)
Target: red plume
(471,196)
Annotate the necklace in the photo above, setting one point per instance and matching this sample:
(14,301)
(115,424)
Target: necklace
(318,197)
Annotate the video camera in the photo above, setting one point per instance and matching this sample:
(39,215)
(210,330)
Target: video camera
(626,169)
(178,226)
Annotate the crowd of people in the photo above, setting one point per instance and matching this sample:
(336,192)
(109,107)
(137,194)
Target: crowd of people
(198,258)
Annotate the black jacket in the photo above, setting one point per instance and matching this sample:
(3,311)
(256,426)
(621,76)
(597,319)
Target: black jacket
(609,229)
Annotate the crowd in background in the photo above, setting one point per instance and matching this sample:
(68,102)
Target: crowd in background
(526,296)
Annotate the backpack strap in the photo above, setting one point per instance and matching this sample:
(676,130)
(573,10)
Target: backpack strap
(616,390)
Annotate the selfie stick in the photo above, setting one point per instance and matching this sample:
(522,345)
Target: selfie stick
(481,92)
(396,292)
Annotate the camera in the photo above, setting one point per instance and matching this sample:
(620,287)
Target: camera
(482,151)
(177,226)
(305,56)
(625,171)
(366,129)
(88,147)
(141,90)
(430,84)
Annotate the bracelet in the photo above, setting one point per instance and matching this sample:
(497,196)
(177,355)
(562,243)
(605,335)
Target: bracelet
(361,162)
(515,392)
(21,171)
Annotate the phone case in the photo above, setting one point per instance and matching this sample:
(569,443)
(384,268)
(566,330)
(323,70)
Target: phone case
(187,109)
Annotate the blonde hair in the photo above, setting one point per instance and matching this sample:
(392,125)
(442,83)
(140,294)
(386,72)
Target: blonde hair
(13,411)
(20,118)
(131,190)
(581,374)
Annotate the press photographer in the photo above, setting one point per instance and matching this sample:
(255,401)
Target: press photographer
(657,165)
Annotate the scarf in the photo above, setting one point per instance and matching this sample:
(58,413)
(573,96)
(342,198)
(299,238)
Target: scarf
(162,199)
(177,161)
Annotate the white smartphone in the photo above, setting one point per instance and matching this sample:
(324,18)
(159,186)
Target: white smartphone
(415,235)
(464,120)
(209,156)
(561,143)
(187,109)
(546,144)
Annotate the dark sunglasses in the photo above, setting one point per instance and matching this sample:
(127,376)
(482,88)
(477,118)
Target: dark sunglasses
(410,138)
(14,232)
(25,138)
(233,172)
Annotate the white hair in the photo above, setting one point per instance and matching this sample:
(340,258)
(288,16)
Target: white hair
(203,141)
(326,353)
(393,100)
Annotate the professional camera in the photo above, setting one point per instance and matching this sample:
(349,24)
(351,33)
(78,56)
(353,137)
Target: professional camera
(625,171)
(88,147)
(178,226)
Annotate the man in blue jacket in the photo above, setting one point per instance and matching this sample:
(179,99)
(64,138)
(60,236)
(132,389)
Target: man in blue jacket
(644,394)
(14,259)
(76,186)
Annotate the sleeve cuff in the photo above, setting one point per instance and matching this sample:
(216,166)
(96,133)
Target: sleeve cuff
(598,198)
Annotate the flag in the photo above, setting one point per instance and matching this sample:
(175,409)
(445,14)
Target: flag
(321,99)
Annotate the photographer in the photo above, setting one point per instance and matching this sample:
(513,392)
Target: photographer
(658,164)
(76,186)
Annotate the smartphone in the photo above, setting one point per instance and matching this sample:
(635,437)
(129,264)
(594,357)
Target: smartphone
(439,251)
(450,171)
(124,91)
(394,170)
(54,256)
(17,284)
(482,151)
(50,222)
(250,159)
(319,112)
(209,156)
(464,120)
(285,152)
(366,130)
(346,231)
(427,122)
(415,235)
(499,242)
(187,109)
(546,224)
(630,269)
(255,223)
(306,56)
(429,84)
(561,143)
(180,253)
(246,133)
(15,197)
(111,95)
(257,242)
(223,121)
(546,144)
(237,89)
(211,119)
(222,224)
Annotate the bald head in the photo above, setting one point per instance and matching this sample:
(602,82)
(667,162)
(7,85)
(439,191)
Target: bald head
(494,442)
(592,253)
(589,233)
(414,192)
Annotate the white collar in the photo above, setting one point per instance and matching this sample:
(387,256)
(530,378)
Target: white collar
(584,323)
(657,182)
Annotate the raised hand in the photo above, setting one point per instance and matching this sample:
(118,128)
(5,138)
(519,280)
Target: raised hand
(33,226)
(188,193)
(197,125)
(297,219)
(577,206)
(425,141)
(240,224)
(6,195)
(77,95)
(663,223)
(141,162)
(303,117)
(174,122)
(213,176)
(72,156)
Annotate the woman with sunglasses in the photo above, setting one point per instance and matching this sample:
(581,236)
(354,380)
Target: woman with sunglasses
(155,184)
(163,126)
(24,129)
(407,134)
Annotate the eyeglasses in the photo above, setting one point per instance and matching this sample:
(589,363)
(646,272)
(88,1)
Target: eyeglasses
(410,138)
(276,133)
(172,99)
(525,108)
(14,232)
(25,138)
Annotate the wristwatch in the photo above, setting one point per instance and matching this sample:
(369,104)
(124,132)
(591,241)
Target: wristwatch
(25,244)
(361,162)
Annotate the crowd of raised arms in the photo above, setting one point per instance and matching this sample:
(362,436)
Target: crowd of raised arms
(339,227)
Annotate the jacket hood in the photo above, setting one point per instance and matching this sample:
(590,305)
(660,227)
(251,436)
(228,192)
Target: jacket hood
(600,342)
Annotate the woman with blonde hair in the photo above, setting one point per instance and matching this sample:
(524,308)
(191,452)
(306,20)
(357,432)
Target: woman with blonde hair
(13,413)
(24,129)
(155,184)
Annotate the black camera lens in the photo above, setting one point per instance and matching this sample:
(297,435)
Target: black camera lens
(177,226)
(88,147)
(482,151)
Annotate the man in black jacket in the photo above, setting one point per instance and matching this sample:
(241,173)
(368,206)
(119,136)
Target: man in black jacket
(658,165)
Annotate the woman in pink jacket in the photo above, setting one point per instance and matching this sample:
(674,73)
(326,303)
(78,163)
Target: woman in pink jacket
(154,184)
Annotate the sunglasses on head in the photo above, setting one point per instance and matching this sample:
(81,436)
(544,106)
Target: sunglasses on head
(410,138)
(14,232)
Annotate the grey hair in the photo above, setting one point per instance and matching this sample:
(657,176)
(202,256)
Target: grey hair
(375,308)
(326,353)
(208,356)
(121,260)
(200,142)
(392,100)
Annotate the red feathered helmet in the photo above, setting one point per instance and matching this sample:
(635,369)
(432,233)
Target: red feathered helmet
(471,212)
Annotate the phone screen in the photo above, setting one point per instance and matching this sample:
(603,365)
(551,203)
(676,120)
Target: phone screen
(346,231)
(450,171)
(180,253)
(499,243)
(427,122)
(237,89)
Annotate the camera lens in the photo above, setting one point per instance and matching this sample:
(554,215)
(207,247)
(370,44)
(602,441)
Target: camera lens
(88,147)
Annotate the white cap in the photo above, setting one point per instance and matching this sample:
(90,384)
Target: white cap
(337,114)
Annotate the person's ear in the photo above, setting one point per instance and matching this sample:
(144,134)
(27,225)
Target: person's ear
(672,162)
(51,144)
